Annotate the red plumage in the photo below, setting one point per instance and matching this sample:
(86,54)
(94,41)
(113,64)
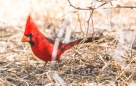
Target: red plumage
(42,46)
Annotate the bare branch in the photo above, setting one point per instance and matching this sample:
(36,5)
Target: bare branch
(100,7)
(79,7)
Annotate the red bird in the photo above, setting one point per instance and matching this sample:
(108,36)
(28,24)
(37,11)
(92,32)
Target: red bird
(42,46)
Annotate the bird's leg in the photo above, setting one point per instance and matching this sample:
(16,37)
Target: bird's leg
(45,64)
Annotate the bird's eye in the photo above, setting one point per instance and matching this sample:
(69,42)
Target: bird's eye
(29,35)
(31,41)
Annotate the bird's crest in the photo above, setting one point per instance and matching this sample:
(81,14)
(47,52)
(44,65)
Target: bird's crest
(31,27)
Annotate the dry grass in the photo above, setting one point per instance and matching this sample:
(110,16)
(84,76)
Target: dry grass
(109,61)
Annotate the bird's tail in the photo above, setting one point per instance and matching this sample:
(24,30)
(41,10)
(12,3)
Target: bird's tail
(67,46)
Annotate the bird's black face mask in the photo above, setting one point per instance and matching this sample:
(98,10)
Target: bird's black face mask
(30,36)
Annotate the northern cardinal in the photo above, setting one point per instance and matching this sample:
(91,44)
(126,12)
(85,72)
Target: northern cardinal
(42,46)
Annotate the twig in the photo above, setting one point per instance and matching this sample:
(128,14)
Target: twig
(124,70)
(79,7)
(92,8)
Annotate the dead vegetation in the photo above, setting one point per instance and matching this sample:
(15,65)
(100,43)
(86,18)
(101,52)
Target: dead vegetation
(109,61)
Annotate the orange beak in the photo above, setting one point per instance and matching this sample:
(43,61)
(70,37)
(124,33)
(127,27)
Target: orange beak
(25,39)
